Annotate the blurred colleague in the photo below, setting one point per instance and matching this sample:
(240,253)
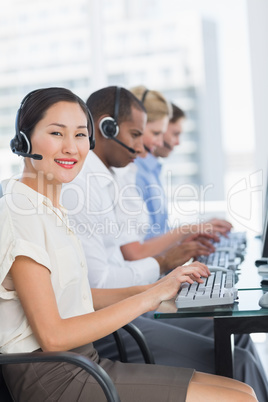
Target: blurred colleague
(173,132)
(151,231)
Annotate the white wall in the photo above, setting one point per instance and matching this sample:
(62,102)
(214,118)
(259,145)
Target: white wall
(258,37)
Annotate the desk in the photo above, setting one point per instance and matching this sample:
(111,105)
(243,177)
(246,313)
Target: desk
(243,317)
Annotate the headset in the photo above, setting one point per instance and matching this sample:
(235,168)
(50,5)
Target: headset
(142,101)
(109,127)
(144,95)
(21,145)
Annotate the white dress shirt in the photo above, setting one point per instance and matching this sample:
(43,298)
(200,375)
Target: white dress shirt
(91,201)
(131,212)
(30,226)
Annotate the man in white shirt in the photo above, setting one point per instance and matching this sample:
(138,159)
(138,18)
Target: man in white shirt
(91,199)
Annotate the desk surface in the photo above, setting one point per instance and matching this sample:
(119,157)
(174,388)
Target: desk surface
(249,292)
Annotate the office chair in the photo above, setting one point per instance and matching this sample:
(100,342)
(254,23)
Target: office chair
(140,340)
(91,367)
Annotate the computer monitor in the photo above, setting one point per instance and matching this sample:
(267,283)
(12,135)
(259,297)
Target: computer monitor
(263,260)
(265,210)
(265,237)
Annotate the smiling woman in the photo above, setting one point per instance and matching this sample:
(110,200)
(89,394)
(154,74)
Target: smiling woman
(61,137)
(54,132)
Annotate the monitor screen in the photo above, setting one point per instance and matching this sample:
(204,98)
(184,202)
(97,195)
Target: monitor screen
(265,208)
(265,238)
(265,224)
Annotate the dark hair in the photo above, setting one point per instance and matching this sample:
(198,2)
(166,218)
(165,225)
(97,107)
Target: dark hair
(178,113)
(36,103)
(103,102)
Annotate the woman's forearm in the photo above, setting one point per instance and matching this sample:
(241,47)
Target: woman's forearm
(106,297)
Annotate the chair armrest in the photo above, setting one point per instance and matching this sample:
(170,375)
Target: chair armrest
(141,341)
(85,363)
(136,333)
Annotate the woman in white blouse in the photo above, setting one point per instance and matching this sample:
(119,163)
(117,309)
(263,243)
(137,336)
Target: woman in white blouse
(45,299)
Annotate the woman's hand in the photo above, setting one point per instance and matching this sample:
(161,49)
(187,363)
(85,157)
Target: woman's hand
(167,287)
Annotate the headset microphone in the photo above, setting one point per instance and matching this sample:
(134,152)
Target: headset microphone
(146,148)
(33,156)
(132,150)
(166,145)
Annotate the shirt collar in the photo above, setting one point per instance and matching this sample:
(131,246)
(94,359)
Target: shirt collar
(150,162)
(11,186)
(95,166)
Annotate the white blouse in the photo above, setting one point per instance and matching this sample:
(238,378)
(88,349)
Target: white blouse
(30,226)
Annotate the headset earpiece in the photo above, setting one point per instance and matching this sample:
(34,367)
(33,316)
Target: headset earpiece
(20,143)
(108,125)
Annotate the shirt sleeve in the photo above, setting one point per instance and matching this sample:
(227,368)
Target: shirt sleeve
(104,274)
(20,234)
(132,215)
(106,265)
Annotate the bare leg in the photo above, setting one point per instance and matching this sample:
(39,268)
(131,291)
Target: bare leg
(211,388)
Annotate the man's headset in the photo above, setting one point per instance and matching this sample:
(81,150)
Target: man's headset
(109,127)
(21,145)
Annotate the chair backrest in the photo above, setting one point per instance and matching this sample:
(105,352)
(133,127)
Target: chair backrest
(4,393)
